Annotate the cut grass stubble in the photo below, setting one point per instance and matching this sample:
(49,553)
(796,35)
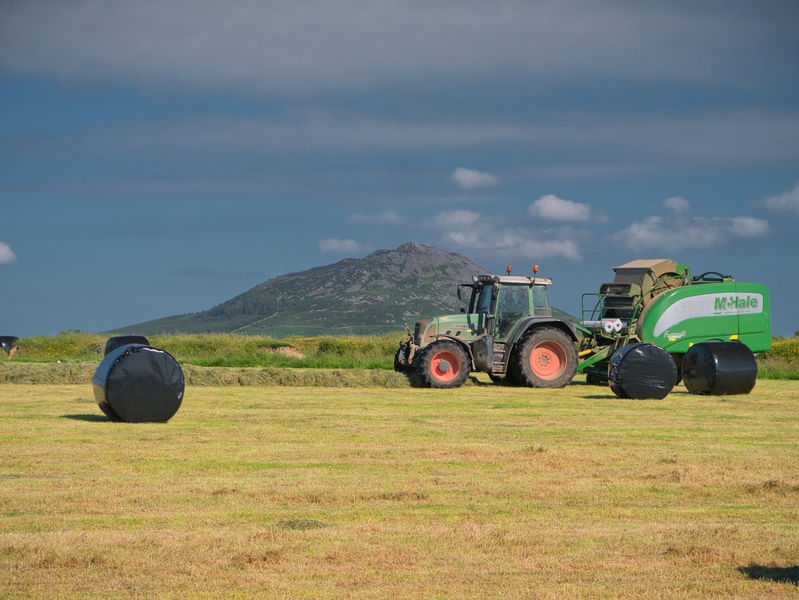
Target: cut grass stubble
(371,493)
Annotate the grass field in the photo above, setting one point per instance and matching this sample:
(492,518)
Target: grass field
(480,492)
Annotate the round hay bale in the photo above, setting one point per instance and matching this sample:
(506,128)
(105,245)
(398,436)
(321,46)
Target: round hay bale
(123,340)
(137,383)
(719,368)
(8,343)
(642,371)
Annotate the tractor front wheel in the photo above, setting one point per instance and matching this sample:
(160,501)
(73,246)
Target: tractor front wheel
(545,358)
(400,362)
(443,364)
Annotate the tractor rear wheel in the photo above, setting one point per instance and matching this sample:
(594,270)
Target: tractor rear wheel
(545,358)
(443,364)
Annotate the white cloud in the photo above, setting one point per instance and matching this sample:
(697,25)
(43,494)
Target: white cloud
(552,208)
(668,232)
(386,217)
(649,233)
(677,204)
(337,246)
(469,231)
(472,178)
(787,202)
(455,219)
(746,226)
(6,254)
(544,249)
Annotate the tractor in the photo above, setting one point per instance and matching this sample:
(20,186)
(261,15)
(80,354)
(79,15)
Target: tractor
(509,330)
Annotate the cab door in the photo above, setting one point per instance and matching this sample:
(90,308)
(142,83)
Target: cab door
(513,305)
(481,308)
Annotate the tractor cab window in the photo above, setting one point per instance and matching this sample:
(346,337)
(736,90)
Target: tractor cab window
(482,302)
(514,300)
(540,296)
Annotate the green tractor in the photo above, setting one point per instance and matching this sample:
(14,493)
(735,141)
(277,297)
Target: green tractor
(509,330)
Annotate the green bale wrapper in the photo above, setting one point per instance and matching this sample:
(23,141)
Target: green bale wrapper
(658,302)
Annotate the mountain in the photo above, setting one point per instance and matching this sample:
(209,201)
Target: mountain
(374,294)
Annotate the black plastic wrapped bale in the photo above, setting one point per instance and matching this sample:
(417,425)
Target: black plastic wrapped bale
(8,343)
(719,368)
(123,340)
(139,384)
(642,371)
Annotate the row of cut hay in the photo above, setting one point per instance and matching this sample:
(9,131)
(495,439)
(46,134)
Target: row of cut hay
(234,351)
(271,376)
(65,373)
(80,372)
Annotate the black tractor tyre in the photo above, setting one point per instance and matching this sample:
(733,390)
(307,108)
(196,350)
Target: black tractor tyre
(443,364)
(511,376)
(498,379)
(545,358)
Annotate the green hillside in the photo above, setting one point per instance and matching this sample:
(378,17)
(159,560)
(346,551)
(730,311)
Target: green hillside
(372,295)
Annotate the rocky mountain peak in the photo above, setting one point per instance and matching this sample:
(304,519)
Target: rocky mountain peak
(373,294)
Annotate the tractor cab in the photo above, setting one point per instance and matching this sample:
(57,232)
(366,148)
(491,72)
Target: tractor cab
(498,303)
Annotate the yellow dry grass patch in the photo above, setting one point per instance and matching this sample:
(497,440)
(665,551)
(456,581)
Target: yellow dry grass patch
(481,492)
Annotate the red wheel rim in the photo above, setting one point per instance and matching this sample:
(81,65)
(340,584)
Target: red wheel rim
(548,360)
(445,366)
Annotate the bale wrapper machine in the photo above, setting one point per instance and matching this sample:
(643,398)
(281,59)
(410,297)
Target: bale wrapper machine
(659,302)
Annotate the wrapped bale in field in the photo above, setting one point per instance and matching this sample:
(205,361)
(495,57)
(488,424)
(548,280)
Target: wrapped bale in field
(123,340)
(719,368)
(642,371)
(139,384)
(8,343)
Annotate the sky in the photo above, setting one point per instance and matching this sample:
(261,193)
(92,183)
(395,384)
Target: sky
(158,158)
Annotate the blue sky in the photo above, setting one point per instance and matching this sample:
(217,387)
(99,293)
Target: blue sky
(158,158)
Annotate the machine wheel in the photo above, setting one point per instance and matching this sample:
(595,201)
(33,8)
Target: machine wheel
(511,377)
(545,358)
(678,361)
(592,379)
(443,364)
(398,366)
